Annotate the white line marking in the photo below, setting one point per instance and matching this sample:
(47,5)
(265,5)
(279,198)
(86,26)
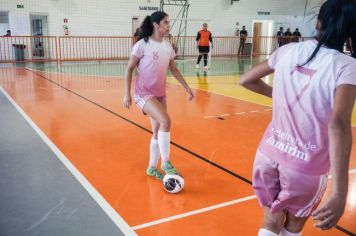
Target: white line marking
(223,115)
(268,109)
(156,222)
(100,90)
(114,216)
(254,111)
(209,117)
(240,113)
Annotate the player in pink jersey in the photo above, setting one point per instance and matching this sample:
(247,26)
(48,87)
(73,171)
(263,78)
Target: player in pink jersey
(153,56)
(313,95)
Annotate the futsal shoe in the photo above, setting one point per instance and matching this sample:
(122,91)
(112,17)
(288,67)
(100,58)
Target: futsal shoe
(168,168)
(152,171)
(197,66)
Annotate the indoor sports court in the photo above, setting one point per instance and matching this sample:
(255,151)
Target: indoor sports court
(73,158)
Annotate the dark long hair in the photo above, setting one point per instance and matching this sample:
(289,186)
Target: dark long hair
(337,23)
(146,28)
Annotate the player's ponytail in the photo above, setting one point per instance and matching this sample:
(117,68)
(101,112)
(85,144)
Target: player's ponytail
(336,24)
(147,28)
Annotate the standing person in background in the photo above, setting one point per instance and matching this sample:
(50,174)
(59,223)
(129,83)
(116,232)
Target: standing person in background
(310,135)
(8,33)
(173,43)
(243,35)
(287,36)
(280,37)
(204,39)
(296,35)
(136,36)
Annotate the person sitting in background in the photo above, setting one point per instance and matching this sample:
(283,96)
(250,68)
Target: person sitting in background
(8,33)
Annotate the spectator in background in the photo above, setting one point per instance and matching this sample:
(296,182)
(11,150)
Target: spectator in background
(8,33)
(172,41)
(296,35)
(136,36)
(280,37)
(243,35)
(287,36)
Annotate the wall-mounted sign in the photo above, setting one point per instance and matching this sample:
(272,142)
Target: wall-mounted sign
(20,6)
(263,13)
(147,8)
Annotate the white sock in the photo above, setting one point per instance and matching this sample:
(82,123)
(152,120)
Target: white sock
(265,232)
(154,152)
(285,232)
(164,139)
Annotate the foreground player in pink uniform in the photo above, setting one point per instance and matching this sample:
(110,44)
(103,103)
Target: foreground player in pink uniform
(310,132)
(152,55)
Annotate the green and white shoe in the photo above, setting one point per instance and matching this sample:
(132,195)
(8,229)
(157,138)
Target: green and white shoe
(168,168)
(152,171)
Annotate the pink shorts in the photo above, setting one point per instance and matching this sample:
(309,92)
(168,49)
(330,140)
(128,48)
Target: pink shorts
(141,101)
(281,188)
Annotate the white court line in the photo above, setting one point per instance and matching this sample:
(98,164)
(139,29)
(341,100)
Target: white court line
(223,115)
(209,117)
(254,111)
(240,113)
(268,109)
(100,90)
(113,215)
(171,218)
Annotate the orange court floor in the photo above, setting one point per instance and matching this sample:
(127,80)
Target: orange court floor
(213,143)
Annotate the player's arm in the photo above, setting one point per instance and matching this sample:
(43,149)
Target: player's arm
(252,79)
(340,142)
(211,40)
(133,62)
(176,73)
(198,39)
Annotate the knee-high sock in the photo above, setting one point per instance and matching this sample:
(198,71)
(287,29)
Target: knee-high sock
(265,232)
(199,58)
(285,232)
(164,139)
(154,152)
(205,59)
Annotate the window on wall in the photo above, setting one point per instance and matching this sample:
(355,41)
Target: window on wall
(4,22)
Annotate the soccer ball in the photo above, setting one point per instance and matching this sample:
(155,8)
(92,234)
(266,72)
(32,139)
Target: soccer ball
(173,183)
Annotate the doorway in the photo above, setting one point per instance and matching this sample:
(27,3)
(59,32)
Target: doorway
(39,28)
(262,37)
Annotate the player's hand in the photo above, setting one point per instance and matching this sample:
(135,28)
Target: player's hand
(126,101)
(190,93)
(330,212)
